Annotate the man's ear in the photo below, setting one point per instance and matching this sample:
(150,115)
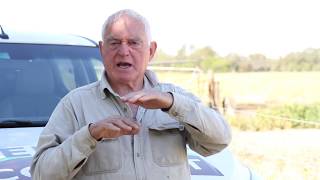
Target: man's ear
(152,49)
(101,47)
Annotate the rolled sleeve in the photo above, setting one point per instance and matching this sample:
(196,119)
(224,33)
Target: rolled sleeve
(84,141)
(207,131)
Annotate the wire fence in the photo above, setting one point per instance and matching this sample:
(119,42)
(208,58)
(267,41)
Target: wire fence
(302,121)
(198,85)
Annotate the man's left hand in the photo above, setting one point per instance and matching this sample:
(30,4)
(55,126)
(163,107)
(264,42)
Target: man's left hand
(149,99)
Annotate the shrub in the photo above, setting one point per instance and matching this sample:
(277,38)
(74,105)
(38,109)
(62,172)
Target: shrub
(279,117)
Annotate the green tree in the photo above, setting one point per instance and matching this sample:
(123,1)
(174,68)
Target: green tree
(307,60)
(182,53)
(162,56)
(216,64)
(203,54)
(259,62)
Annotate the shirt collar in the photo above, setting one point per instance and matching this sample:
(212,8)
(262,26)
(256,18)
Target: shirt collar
(150,80)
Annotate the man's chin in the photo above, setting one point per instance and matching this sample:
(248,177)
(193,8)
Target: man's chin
(124,78)
(128,79)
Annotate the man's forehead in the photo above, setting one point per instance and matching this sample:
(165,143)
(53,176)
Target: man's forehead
(126,28)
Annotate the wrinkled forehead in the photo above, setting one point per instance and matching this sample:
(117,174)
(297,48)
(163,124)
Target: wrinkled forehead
(126,27)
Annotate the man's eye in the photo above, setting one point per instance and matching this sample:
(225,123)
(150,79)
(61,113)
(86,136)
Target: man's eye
(134,43)
(114,43)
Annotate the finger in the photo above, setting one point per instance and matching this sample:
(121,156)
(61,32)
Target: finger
(154,101)
(123,126)
(131,123)
(129,95)
(135,131)
(151,95)
(157,100)
(133,97)
(147,97)
(110,131)
(135,126)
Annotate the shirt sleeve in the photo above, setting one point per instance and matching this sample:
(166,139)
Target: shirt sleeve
(207,131)
(62,145)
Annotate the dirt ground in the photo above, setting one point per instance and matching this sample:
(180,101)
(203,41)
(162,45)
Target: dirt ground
(280,154)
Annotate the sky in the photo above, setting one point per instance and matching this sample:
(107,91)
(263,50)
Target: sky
(271,27)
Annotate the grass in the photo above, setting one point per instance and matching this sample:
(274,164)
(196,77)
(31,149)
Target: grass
(253,87)
(279,154)
(271,87)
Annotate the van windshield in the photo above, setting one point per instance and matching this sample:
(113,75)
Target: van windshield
(34,77)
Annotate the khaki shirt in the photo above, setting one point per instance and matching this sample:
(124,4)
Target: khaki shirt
(66,150)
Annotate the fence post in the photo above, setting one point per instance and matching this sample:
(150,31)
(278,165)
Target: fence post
(214,92)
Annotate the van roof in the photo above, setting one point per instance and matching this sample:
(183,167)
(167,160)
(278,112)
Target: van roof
(45,38)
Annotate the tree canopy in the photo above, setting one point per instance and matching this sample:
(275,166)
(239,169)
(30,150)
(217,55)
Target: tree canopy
(207,59)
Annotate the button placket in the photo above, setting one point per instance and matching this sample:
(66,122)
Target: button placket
(138,153)
(127,111)
(136,156)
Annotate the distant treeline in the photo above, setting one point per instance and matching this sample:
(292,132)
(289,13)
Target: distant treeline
(207,59)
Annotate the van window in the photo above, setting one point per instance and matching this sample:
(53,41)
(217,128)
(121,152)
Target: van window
(67,69)
(33,78)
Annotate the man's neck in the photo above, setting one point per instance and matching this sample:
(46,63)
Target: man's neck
(128,87)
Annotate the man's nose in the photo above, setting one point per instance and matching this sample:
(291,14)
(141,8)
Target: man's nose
(124,49)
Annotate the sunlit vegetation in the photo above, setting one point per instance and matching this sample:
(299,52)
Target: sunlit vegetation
(207,59)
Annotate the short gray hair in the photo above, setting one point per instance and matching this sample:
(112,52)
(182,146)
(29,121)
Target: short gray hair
(131,13)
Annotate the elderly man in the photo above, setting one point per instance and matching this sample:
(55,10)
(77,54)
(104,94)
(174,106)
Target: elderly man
(127,125)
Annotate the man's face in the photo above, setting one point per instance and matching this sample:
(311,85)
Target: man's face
(125,51)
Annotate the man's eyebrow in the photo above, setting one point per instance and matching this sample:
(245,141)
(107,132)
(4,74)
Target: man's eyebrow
(112,39)
(134,39)
(109,39)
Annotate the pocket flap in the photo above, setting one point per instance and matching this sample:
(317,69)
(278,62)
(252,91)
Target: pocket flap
(166,125)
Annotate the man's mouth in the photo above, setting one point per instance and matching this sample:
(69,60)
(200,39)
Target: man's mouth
(124,65)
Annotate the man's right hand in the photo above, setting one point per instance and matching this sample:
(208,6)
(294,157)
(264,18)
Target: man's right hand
(113,127)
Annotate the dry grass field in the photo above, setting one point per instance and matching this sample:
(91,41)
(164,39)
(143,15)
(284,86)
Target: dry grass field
(253,88)
(271,87)
(278,154)
(281,154)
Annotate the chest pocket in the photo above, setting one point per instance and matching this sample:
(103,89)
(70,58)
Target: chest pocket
(105,159)
(167,142)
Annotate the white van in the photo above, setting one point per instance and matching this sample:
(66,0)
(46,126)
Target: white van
(36,71)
